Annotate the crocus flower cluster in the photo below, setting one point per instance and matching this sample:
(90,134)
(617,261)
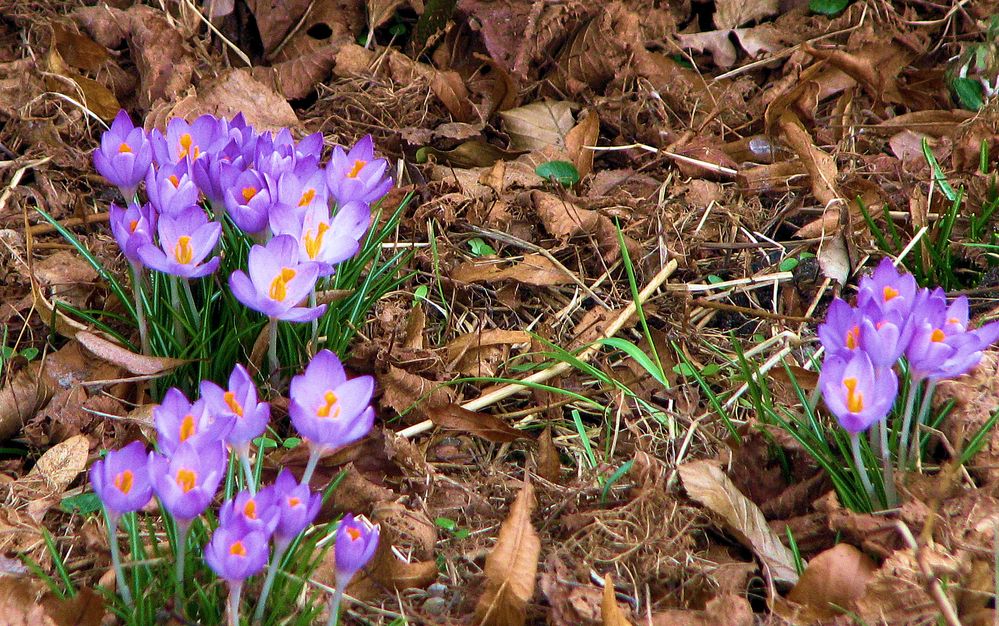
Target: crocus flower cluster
(194,439)
(305,217)
(893,322)
(893,319)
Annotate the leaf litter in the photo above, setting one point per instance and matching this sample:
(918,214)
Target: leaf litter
(729,137)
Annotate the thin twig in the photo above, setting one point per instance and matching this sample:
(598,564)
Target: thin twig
(936,591)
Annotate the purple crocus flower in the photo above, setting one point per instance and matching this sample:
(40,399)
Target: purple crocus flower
(277,281)
(298,505)
(217,171)
(274,154)
(186,482)
(840,333)
(248,200)
(356,542)
(238,403)
(321,239)
(184,140)
(185,240)
(124,155)
(326,408)
(132,228)
(856,392)
(357,175)
(171,189)
(121,480)
(236,553)
(298,192)
(178,420)
(255,512)
(887,288)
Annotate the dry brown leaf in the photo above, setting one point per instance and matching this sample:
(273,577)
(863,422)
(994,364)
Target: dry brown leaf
(164,62)
(403,388)
(489,427)
(25,601)
(549,463)
(535,270)
(538,125)
(725,608)
(121,356)
(511,567)
(275,19)
(21,397)
(475,153)
(732,13)
(237,91)
(381,11)
(820,165)
(91,93)
(61,464)
(833,581)
(610,612)
(77,49)
(834,258)
(583,134)
(706,483)
(760,39)
(490,337)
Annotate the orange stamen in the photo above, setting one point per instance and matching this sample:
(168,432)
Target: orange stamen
(358,166)
(188,427)
(124,481)
(307,197)
(232,403)
(279,286)
(332,404)
(354,533)
(248,193)
(854,400)
(124,147)
(237,549)
(186,479)
(250,510)
(183,251)
(133,225)
(313,244)
(184,146)
(294,502)
(937,335)
(852,337)
(890,293)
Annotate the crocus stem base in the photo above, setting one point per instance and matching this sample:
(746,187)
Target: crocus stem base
(178,327)
(858,460)
(244,462)
(272,572)
(924,411)
(310,467)
(335,606)
(119,573)
(235,590)
(887,475)
(272,357)
(903,441)
(182,531)
(190,302)
(140,311)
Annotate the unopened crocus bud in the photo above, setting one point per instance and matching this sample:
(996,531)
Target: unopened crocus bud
(298,505)
(121,480)
(356,542)
(124,156)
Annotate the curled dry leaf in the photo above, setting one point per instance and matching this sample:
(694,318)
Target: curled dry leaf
(732,13)
(165,64)
(610,612)
(91,93)
(511,567)
(549,464)
(121,356)
(535,270)
(25,601)
(21,397)
(833,581)
(403,389)
(706,483)
(61,464)
(584,134)
(489,427)
(275,19)
(538,125)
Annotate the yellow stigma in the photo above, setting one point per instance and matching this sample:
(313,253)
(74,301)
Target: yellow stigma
(313,244)
(188,427)
(184,146)
(250,510)
(124,481)
(332,405)
(237,549)
(851,337)
(307,197)
(233,404)
(854,399)
(937,335)
(358,166)
(183,251)
(186,479)
(248,193)
(124,147)
(279,286)
(354,533)
(890,293)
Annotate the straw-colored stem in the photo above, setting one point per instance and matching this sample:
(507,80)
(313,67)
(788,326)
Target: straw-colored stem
(310,467)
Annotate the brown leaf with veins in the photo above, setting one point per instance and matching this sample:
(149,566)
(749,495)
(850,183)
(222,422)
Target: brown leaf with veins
(511,567)
(583,134)
(535,270)
(165,64)
(820,165)
(116,354)
(707,484)
(489,427)
(732,13)
(538,125)
(834,580)
(275,19)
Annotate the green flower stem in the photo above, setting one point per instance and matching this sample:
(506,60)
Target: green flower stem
(903,442)
(140,310)
(858,460)
(887,475)
(244,462)
(272,571)
(924,412)
(310,467)
(190,302)
(126,593)
(272,356)
(335,606)
(235,590)
(315,322)
(183,529)
(178,328)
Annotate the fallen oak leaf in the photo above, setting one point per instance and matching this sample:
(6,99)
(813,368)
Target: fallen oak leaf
(511,567)
(21,397)
(538,125)
(534,270)
(489,427)
(834,580)
(707,484)
(139,364)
